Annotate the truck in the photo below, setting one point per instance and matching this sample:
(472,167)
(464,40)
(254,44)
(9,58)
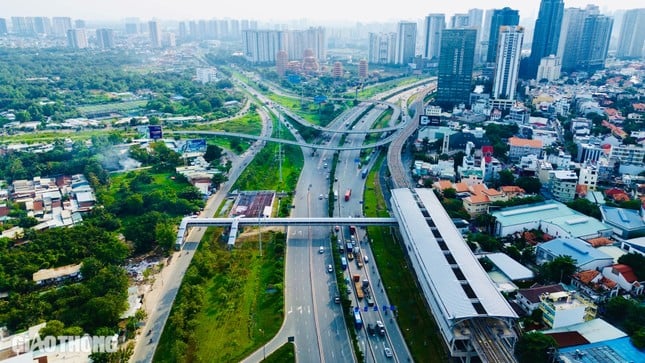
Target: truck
(359,290)
(364,173)
(348,194)
(343,263)
(359,259)
(352,230)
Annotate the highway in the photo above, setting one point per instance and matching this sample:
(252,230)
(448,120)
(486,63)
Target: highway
(312,317)
(167,287)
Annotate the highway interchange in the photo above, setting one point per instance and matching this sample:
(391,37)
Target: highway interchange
(312,317)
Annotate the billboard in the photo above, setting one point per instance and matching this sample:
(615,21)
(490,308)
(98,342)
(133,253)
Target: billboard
(194,146)
(429,120)
(155,132)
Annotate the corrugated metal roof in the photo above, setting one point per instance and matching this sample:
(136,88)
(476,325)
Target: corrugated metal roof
(511,268)
(450,291)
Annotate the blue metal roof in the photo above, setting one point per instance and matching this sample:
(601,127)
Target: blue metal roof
(617,350)
(579,250)
(627,219)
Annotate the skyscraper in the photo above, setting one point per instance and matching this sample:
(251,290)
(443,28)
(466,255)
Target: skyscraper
(299,40)
(594,44)
(76,38)
(500,17)
(434,25)
(3,26)
(105,38)
(262,46)
(382,48)
(154,31)
(456,66)
(458,21)
(545,36)
(507,63)
(631,43)
(131,26)
(362,69)
(406,42)
(60,26)
(281,60)
(569,45)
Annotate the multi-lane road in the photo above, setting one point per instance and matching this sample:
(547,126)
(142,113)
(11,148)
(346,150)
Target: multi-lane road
(312,317)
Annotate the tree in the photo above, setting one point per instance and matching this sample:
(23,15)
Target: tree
(558,270)
(585,207)
(165,235)
(213,152)
(529,184)
(534,347)
(506,177)
(450,193)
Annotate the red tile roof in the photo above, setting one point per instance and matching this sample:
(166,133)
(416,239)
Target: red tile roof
(568,339)
(586,276)
(600,241)
(626,271)
(516,141)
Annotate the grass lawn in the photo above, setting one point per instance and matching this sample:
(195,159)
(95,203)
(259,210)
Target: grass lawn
(115,107)
(413,317)
(284,354)
(309,111)
(44,136)
(239,307)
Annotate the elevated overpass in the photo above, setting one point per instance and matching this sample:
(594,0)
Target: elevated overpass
(236,222)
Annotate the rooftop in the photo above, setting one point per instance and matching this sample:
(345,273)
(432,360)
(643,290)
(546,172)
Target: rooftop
(595,330)
(617,350)
(434,267)
(627,219)
(579,250)
(52,273)
(511,268)
(516,141)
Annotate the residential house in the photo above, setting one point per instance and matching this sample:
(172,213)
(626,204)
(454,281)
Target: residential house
(625,277)
(529,299)
(627,223)
(586,257)
(565,308)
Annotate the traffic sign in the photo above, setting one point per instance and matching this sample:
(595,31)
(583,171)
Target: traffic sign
(320,98)
(375,308)
(384,307)
(365,309)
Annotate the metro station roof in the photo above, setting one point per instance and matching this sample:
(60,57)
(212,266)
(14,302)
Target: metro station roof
(436,268)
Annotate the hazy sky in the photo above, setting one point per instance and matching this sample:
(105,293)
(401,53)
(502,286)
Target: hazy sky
(340,10)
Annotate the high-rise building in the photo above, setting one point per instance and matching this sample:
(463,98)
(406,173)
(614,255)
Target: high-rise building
(281,61)
(235,29)
(131,26)
(60,26)
(382,48)
(499,18)
(299,40)
(631,43)
(458,21)
(484,36)
(42,25)
(182,30)
(76,38)
(456,66)
(434,25)
(475,21)
(549,68)
(262,46)
(406,42)
(546,35)
(362,69)
(570,36)
(105,38)
(79,24)
(337,70)
(23,25)
(3,27)
(595,43)
(507,62)
(154,31)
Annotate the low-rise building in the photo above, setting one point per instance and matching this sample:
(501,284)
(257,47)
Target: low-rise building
(565,308)
(522,147)
(625,277)
(562,185)
(588,176)
(529,299)
(586,257)
(626,223)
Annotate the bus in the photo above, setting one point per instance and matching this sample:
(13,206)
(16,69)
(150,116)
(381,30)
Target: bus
(358,321)
(343,263)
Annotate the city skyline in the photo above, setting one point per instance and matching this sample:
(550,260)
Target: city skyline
(332,11)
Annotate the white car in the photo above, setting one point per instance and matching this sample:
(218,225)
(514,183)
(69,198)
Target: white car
(330,268)
(321,250)
(388,352)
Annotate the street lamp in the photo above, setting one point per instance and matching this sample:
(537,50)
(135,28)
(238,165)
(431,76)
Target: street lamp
(264,346)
